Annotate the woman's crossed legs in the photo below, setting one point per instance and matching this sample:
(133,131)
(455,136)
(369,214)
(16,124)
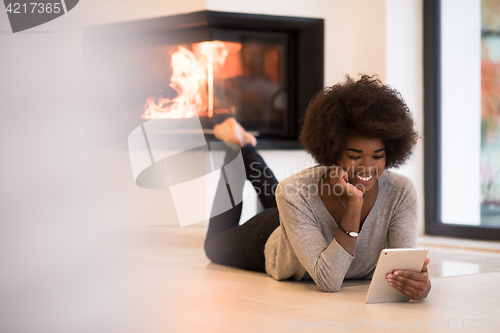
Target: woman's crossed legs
(227,242)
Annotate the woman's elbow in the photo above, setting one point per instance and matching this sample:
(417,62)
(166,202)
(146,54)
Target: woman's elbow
(329,286)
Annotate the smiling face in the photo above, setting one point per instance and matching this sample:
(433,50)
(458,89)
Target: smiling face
(364,160)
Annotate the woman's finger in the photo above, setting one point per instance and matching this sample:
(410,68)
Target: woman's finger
(410,288)
(410,275)
(410,292)
(341,177)
(412,284)
(402,281)
(426,262)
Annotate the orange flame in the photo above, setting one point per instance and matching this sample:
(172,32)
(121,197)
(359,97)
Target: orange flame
(193,75)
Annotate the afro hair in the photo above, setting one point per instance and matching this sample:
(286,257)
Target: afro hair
(365,108)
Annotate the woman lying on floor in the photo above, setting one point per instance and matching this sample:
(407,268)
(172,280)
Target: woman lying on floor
(331,221)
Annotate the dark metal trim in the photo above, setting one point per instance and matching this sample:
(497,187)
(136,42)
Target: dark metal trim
(432,111)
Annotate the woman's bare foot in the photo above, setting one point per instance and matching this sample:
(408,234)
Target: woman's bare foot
(231,131)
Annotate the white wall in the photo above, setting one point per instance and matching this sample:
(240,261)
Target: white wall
(404,71)
(111,11)
(354,30)
(367,37)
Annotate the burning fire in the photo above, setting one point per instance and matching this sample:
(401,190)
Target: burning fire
(193,74)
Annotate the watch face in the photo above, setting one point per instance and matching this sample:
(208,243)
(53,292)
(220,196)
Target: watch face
(353,234)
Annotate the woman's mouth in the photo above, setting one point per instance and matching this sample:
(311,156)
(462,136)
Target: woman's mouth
(365,179)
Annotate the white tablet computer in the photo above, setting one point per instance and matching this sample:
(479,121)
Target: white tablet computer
(390,260)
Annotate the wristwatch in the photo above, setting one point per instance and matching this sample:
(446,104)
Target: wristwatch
(350,233)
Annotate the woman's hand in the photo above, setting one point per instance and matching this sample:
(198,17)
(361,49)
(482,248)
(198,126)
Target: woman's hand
(339,180)
(412,284)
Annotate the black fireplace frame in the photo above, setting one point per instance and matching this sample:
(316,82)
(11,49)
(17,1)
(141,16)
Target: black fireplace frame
(305,47)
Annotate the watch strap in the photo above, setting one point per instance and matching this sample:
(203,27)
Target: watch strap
(353,234)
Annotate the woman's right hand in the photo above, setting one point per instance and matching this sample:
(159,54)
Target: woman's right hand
(339,180)
(350,220)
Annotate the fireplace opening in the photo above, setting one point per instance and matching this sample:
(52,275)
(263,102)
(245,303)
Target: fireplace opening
(263,70)
(244,79)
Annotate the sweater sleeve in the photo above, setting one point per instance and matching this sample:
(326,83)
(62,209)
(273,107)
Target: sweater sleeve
(403,226)
(327,264)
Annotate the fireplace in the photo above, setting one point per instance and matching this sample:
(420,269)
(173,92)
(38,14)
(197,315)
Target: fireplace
(263,70)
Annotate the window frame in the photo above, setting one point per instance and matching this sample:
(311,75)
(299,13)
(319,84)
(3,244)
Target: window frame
(432,134)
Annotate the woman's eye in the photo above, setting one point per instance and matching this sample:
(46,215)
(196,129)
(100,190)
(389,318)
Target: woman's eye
(357,157)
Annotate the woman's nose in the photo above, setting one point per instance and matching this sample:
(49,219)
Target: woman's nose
(366,168)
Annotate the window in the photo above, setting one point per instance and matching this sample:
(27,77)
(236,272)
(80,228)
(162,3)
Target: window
(462,121)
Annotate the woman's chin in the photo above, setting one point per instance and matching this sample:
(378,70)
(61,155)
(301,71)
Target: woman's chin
(363,186)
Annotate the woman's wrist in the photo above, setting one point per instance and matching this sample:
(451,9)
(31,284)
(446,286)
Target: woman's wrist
(355,200)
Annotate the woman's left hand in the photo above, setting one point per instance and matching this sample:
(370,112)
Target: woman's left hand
(412,284)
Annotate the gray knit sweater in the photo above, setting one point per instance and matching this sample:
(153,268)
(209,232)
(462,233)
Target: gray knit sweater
(304,244)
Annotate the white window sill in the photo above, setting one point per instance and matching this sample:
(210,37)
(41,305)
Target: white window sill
(459,243)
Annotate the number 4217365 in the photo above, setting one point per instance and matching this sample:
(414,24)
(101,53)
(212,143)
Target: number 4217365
(33,7)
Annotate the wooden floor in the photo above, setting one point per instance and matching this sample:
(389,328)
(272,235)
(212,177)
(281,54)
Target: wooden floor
(177,289)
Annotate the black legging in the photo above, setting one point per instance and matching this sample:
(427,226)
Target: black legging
(242,246)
